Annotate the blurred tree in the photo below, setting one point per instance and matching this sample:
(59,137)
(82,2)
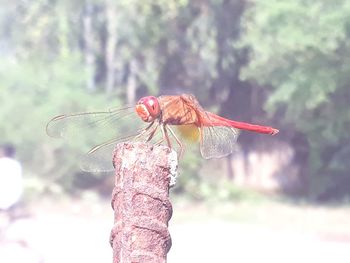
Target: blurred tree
(58,56)
(299,49)
(67,56)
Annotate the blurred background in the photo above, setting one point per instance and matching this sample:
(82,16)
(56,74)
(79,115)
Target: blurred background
(278,63)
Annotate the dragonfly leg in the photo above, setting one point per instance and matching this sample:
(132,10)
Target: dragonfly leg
(159,142)
(151,134)
(165,135)
(182,148)
(144,131)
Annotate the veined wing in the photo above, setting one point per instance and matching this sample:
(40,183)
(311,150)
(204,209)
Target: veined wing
(218,141)
(102,129)
(99,126)
(100,157)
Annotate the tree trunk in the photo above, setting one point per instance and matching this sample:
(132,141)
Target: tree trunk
(89,47)
(111,42)
(132,82)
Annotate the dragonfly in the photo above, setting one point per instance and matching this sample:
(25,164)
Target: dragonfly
(155,119)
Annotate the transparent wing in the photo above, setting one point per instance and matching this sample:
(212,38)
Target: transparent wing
(113,121)
(103,128)
(217,141)
(100,160)
(100,157)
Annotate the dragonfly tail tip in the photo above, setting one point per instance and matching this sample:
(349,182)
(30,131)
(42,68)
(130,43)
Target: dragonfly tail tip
(274,131)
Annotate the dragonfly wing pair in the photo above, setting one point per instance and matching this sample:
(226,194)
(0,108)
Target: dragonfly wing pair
(109,127)
(216,136)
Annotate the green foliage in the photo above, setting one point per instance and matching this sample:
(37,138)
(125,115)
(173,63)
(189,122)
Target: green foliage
(219,190)
(53,50)
(300,50)
(31,94)
(71,56)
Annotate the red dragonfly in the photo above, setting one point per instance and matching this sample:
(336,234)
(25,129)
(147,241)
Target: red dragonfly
(217,135)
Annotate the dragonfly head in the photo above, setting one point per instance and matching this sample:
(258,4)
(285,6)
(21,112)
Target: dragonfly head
(148,108)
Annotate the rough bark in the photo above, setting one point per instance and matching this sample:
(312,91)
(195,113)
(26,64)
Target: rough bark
(143,175)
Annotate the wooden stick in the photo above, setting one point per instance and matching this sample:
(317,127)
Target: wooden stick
(143,175)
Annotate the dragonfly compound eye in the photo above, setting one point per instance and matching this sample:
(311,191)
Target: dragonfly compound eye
(148,108)
(152,106)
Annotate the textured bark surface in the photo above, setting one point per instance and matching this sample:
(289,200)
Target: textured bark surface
(143,174)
